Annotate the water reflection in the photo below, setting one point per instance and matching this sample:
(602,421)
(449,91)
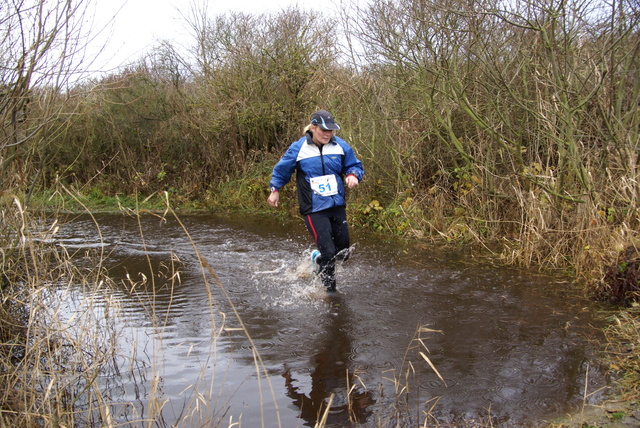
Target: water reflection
(334,381)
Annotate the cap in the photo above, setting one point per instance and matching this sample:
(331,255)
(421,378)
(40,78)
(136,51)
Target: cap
(324,120)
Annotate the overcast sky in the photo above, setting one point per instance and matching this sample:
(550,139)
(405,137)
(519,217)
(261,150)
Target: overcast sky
(138,24)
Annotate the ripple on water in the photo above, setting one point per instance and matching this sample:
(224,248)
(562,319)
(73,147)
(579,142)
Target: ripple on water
(542,380)
(545,405)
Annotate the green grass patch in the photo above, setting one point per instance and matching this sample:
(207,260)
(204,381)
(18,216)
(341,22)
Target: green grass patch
(95,200)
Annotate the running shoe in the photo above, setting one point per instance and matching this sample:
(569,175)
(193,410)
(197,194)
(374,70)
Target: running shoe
(315,266)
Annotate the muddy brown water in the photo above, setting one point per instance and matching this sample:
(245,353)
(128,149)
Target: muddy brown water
(508,347)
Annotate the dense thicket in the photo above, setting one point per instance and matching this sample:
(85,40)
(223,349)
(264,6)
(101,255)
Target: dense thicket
(479,121)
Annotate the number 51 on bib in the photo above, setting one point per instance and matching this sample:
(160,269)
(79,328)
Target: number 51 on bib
(325,185)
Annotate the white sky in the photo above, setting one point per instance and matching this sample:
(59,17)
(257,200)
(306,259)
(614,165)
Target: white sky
(138,24)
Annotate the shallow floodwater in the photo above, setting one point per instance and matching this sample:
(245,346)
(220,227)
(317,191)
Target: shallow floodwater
(413,332)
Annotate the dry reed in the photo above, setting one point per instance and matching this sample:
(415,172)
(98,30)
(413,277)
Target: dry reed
(62,357)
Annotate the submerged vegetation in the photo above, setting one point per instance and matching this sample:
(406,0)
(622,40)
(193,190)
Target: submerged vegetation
(512,127)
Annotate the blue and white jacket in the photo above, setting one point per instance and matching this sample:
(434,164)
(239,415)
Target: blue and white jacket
(309,160)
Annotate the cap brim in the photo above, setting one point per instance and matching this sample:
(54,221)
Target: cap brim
(329,126)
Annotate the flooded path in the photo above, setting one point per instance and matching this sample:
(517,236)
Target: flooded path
(508,349)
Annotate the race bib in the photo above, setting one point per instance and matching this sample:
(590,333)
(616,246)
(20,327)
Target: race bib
(325,185)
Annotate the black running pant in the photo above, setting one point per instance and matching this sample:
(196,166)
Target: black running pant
(331,234)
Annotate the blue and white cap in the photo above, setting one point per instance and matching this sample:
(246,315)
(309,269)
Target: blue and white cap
(324,120)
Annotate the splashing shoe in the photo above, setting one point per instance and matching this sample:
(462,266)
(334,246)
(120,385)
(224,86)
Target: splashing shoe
(315,266)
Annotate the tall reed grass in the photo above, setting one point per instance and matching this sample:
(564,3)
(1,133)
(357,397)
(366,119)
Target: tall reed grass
(56,346)
(67,356)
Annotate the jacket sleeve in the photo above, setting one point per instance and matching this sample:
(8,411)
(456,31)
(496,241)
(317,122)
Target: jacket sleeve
(283,170)
(351,164)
